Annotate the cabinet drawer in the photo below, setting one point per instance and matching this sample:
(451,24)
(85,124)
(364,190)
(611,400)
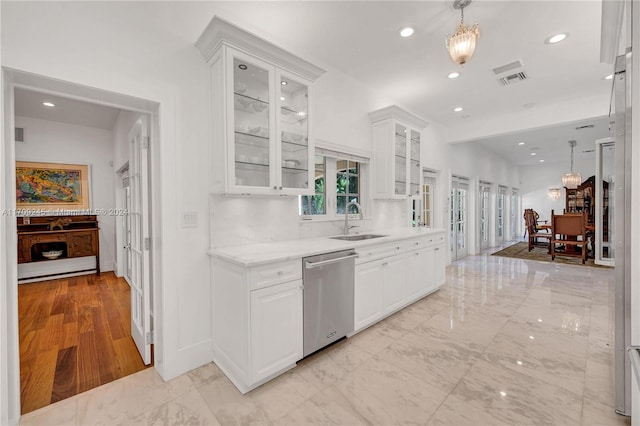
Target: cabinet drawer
(47,238)
(274,273)
(367,254)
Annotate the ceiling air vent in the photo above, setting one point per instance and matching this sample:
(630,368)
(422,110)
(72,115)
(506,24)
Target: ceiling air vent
(513,78)
(19,134)
(508,67)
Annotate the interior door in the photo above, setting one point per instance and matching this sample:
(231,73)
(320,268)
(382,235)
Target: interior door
(500,215)
(459,219)
(140,243)
(485,207)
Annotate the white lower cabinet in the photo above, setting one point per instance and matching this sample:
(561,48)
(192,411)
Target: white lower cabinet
(420,268)
(369,281)
(395,280)
(276,328)
(257,320)
(389,278)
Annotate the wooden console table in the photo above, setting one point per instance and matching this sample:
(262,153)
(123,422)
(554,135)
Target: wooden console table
(75,236)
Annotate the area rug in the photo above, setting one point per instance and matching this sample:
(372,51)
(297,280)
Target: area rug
(539,253)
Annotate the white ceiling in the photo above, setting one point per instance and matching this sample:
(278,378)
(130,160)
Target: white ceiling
(361,39)
(29,104)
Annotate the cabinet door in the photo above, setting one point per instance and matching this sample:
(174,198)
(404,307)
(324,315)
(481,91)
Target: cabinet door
(395,273)
(368,306)
(400,160)
(276,328)
(251,151)
(419,273)
(81,244)
(295,152)
(414,163)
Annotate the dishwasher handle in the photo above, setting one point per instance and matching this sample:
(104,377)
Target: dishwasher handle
(311,265)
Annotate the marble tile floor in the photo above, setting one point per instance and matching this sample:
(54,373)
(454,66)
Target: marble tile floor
(504,342)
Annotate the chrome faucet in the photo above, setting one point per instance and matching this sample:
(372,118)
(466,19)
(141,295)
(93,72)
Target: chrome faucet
(346,216)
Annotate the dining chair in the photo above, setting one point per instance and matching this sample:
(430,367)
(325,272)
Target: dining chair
(569,230)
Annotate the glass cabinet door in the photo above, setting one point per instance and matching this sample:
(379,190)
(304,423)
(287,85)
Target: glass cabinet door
(294,133)
(251,124)
(400,183)
(414,163)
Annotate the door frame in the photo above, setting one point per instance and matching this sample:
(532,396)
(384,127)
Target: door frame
(12,79)
(459,183)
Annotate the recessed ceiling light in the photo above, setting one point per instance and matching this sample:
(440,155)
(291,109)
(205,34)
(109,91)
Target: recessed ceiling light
(284,83)
(520,143)
(557,38)
(542,161)
(608,77)
(282,98)
(533,153)
(453,75)
(406,32)
(49,104)
(457,109)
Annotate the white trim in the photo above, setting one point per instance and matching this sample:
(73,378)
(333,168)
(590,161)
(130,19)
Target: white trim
(394,111)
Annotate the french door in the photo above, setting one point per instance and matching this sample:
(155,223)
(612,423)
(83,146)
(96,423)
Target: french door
(458,230)
(484,190)
(139,242)
(513,211)
(500,214)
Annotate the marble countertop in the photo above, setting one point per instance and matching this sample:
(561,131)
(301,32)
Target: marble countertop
(257,254)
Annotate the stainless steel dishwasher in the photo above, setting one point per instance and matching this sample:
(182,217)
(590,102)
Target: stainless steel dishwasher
(328,298)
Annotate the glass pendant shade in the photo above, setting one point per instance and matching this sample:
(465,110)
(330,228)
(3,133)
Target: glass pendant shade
(462,43)
(554,193)
(571,180)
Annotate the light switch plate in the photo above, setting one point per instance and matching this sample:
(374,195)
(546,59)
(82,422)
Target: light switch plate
(189,220)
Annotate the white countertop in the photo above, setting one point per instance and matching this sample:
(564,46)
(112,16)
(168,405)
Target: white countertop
(256,254)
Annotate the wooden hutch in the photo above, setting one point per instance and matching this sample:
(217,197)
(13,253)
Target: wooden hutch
(74,236)
(582,199)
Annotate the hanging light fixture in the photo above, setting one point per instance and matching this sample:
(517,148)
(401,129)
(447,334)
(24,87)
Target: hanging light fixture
(554,193)
(571,180)
(463,42)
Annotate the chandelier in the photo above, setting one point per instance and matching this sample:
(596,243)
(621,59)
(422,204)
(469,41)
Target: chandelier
(463,42)
(554,193)
(571,180)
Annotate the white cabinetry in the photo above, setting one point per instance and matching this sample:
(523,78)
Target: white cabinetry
(391,276)
(276,328)
(396,152)
(257,320)
(369,281)
(261,115)
(395,281)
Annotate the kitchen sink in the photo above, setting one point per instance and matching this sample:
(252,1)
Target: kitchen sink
(357,237)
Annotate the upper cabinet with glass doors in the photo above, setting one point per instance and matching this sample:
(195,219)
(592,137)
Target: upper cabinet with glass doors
(396,152)
(260,104)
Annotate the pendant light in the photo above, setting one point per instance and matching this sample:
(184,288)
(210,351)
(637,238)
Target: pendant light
(571,180)
(463,42)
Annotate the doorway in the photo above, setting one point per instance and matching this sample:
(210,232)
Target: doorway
(484,191)
(93,282)
(513,214)
(458,227)
(500,214)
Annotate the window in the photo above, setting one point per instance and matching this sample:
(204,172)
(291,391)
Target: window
(316,204)
(333,194)
(347,185)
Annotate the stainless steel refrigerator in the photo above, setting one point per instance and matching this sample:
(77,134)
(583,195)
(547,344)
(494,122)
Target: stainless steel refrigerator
(626,349)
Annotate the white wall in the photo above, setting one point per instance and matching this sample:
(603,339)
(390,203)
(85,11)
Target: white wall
(471,160)
(96,44)
(54,142)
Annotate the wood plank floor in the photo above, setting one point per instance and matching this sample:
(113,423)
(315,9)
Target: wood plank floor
(75,335)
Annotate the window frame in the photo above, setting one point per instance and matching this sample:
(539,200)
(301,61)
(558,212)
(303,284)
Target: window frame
(331,158)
